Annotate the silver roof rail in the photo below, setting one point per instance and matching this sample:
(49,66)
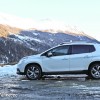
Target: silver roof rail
(75,42)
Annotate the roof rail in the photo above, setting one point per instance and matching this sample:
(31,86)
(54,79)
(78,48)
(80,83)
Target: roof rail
(74,42)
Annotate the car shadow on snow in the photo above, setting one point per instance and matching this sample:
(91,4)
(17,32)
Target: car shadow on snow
(59,77)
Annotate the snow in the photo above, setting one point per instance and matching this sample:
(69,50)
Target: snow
(51,39)
(16,40)
(27,38)
(8,70)
(55,26)
(35,34)
(11,70)
(37,40)
(23,37)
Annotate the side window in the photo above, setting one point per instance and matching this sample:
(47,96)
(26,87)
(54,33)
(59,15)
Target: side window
(78,49)
(59,51)
(92,48)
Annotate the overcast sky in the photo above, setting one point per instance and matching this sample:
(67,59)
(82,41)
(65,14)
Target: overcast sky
(85,14)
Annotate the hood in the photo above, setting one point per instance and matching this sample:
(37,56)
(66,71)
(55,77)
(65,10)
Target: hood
(31,57)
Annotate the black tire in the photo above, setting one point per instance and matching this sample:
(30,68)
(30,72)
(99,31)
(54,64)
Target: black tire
(33,72)
(94,71)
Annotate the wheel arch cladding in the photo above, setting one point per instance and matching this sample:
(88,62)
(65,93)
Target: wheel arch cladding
(95,62)
(32,64)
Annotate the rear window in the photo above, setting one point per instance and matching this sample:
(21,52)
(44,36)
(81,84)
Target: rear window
(78,49)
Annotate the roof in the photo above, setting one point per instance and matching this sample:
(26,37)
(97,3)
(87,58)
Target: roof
(77,42)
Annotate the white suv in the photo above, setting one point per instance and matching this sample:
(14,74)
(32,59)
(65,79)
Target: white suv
(67,58)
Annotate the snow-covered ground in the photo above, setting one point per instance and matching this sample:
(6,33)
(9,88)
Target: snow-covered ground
(17,88)
(8,70)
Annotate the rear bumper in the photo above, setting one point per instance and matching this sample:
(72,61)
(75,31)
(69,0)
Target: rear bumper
(19,72)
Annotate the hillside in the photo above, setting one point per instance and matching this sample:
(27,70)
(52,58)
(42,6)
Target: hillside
(5,30)
(30,42)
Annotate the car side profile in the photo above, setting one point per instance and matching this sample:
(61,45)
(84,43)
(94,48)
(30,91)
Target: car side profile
(66,58)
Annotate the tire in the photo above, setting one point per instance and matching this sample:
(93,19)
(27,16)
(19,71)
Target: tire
(33,72)
(94,71)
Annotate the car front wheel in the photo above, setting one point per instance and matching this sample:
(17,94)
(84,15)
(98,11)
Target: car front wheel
(33,72)
(94,71)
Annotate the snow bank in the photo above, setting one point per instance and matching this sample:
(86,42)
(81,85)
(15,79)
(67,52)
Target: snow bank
(8,70)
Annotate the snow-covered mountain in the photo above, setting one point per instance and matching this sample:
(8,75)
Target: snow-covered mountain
(16,46)
(20,41)
(46,25)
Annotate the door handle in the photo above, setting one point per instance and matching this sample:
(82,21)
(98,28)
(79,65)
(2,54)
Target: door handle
(86,56)
(64,59)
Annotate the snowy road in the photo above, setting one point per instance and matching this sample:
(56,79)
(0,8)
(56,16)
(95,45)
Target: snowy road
(14,87)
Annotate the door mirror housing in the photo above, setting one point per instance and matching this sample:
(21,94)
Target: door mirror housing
(49,54)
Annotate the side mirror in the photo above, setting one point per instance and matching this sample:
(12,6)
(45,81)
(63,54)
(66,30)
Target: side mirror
(49,54)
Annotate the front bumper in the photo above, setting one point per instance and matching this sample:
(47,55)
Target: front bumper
(19,72)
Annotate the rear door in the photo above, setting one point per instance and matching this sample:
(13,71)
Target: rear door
(80,57)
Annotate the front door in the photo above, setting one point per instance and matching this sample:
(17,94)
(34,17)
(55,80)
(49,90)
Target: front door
(58,61)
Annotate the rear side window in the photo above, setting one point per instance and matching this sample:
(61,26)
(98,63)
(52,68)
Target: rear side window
(78,49)
(92,48)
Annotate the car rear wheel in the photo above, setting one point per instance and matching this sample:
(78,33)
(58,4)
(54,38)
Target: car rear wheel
(33,72)
(94,71)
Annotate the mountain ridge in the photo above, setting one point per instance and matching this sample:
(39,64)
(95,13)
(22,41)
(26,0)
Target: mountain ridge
(46,25)
(6,30)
